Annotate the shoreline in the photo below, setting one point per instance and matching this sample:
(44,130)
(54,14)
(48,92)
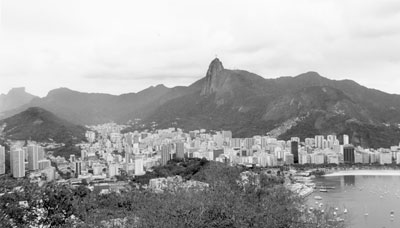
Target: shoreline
(364,173)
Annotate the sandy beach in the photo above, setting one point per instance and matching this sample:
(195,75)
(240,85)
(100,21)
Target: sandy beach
(365,173)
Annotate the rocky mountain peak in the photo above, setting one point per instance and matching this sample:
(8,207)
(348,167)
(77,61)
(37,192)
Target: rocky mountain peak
(14,98)
(18,90)
(215,67)
(213,71)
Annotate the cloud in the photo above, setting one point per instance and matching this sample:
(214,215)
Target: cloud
(133,77)
(125,46)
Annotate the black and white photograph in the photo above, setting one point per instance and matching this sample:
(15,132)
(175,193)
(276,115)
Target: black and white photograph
(199,114)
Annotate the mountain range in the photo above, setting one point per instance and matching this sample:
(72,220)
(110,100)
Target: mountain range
(244,102)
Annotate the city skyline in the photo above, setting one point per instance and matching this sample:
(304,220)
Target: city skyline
(124,47)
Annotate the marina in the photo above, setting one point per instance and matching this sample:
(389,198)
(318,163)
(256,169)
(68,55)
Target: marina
(361,201)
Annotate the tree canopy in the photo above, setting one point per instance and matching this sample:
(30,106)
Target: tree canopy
(260,201)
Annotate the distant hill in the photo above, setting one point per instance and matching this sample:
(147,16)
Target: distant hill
(16,97)
(245,103)
(94,108)
(41,125)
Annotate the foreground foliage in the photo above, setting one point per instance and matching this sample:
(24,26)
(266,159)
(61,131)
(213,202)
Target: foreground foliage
(257,202)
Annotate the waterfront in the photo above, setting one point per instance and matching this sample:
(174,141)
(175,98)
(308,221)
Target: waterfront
(370,197)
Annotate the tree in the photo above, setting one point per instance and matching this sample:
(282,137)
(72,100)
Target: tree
(232,199)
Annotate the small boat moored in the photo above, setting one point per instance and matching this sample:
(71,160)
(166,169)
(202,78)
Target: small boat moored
(318,197)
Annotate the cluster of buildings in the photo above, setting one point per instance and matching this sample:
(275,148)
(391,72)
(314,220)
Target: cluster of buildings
(110,153)
(30,158)
(174,184)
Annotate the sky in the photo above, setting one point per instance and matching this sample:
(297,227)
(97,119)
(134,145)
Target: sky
(117,46)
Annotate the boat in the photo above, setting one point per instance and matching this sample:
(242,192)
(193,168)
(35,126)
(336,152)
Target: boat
(318,197)
(365,209)
(345,211)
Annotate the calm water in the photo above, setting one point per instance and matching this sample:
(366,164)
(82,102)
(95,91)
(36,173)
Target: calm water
(375,195)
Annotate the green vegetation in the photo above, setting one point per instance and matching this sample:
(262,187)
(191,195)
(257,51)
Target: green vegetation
(361,134)
(262,202)
(67,150)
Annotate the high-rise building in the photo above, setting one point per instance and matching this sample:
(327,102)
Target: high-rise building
(385,158)
(192,134)
(325,144)
(165,154)
(331,138)
(90,136)
(217,153)
(128,154)
(357,157)
(33,157)
(11,159)
(227,134)
(248,143)
(309,141)
(236,142)
(304,159)
(294,147)
(83,154)
(297,139)
(43,164)
(113,169)
(345,139)
(139,168)
(180,150)
(332,159)
(318,158)
(319,139)
(2,160)
(72,158)
(397,158)
(18,163)
(78,168)
(136,139)
(41,153)
(349,154)
(365,158)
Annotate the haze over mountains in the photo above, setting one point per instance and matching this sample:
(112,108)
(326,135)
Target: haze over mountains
(14,98)
(246,103)
(41,125)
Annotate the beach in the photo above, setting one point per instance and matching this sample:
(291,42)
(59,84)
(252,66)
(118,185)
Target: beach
(364,173)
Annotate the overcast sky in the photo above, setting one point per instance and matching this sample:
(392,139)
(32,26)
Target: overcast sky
(125,46)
